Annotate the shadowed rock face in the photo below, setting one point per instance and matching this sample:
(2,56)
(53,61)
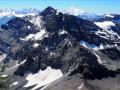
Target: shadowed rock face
(112,53)
(60,47)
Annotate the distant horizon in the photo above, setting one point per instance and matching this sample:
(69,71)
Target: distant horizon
(93,6)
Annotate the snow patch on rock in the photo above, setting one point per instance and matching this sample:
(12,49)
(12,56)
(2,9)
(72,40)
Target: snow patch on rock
(2,57)
(92,46)
(105,24)
(62,32)
(13,84)
(100,61)
(37,36)
(81,86)
(43,78)
(109,15)
(35,45)
(3,76)
(107,32)
(37,20)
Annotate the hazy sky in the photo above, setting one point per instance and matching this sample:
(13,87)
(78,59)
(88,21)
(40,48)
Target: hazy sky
(96,6)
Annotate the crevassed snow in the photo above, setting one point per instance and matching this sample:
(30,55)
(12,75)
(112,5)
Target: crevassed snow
(37,36)
(43,78)
(13,84)
(105,24)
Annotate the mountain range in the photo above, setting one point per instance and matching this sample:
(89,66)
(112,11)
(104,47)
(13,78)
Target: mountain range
(53,50)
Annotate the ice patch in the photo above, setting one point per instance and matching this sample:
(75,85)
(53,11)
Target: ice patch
(43,78)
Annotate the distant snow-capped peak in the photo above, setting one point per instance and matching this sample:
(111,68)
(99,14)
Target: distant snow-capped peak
(8,14)
(109,15)
(73,11)
(17,13)
(80,13)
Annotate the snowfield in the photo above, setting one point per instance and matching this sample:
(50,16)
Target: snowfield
(37,21)
(43,78)
(107,32)
(37,36)
(105,24)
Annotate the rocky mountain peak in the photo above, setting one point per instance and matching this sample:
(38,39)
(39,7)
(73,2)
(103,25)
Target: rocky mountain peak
(48,11)
(65,44)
